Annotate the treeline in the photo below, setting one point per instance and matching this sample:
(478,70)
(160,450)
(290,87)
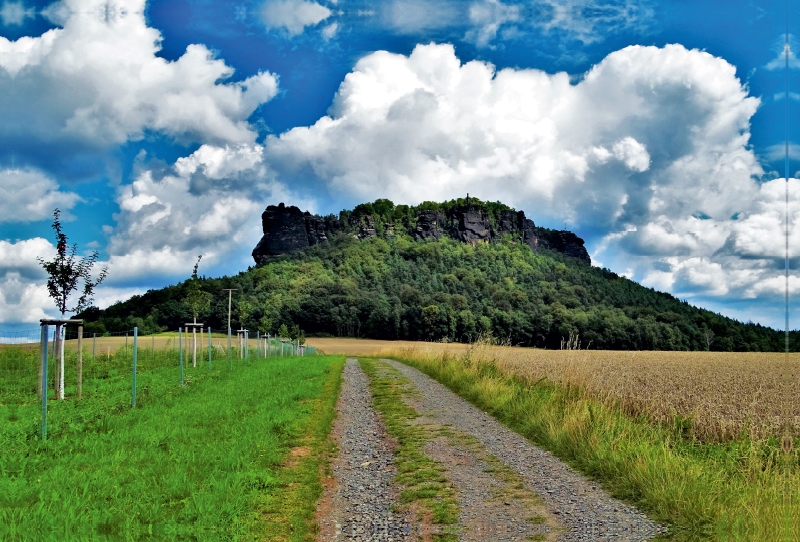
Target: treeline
(396,288)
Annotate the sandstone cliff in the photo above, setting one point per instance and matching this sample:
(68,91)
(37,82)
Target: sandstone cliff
(288,229)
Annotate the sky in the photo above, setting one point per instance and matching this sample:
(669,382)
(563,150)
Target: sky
(162,129)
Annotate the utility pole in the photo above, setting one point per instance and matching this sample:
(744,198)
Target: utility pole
(230,291)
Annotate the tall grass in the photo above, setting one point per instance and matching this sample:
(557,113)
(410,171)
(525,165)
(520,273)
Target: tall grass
(745,488)
(206,461)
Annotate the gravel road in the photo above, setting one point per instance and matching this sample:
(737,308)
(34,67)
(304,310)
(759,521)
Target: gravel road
(508,489)
(587,512)
(358,505)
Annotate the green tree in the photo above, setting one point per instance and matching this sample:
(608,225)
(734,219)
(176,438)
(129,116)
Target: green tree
(64,273)
(198,301)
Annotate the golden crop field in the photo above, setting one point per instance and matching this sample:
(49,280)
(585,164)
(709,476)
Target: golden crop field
(723,393)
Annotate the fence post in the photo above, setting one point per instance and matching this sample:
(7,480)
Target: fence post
(209,348)
(230,359)
(246,345)
(258,343)
(42,363)
(80,361)
(94,344)
(180,349)
(43,381)
(268,335)
(135,337)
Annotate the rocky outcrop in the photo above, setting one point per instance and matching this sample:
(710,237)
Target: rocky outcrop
(565,242)
(366,227)
(428,226)
(288,229)
(470,224)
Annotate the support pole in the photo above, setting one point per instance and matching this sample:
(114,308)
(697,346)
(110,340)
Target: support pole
(43,382)
(61,340)
(80,362)
(209,348)
(194,346)
(258,344)
(56,350)
(230,358)
(180,349)
(135,348)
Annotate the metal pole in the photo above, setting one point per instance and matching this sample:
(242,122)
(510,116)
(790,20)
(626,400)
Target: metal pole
(80,362)
(230,359)
(180,348)
(258,344)
(209,348)
(135,337)
(43,382)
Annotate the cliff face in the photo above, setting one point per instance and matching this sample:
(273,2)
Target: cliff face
(288,229)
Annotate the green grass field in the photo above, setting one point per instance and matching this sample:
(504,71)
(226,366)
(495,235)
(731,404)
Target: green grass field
(211,460)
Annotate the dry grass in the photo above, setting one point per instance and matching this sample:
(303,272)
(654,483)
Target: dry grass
(725,395)
(164,341)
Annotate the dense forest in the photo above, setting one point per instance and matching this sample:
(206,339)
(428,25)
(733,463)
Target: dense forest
(392,287)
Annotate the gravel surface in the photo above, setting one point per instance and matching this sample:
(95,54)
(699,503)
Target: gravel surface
(587,512)
(360,500)
(490,507)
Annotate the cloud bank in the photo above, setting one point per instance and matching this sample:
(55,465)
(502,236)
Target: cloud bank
(97,83)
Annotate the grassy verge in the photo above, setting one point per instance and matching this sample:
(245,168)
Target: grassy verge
(739,490)
(420,477)
(209,461)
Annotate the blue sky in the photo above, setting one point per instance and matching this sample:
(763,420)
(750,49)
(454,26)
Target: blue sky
(655,130)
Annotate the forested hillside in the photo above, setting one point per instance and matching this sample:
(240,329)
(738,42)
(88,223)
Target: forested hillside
(398,288)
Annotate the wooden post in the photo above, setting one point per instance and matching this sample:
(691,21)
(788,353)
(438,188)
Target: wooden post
(57,359)
(80,362)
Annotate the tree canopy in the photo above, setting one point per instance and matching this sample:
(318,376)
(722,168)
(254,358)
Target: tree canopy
(397,288)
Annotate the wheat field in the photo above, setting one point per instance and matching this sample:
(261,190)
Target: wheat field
(725,394)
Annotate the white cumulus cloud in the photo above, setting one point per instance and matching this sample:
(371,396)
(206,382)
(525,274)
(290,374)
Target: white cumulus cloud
(27,195)
(98,82)
(293,15)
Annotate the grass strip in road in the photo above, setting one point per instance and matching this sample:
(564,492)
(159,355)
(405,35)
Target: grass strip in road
(420,477)
(209,461)
(739,490)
